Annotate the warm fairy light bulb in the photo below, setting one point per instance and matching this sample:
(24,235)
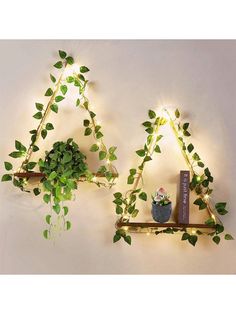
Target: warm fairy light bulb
(126,228)
(213,216)
(198,178)
(98,122)
(108,161)
(193,231)
(206,197)
(98,144)
(148,233)
(94,179)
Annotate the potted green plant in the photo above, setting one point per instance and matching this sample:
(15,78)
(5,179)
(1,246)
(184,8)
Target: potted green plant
(161,206)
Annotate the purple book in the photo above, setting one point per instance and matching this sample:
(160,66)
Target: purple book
(183,213)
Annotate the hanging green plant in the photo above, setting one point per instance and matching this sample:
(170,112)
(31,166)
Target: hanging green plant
(64,166)
(202,178)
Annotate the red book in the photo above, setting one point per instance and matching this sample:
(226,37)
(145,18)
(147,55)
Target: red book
(183,213)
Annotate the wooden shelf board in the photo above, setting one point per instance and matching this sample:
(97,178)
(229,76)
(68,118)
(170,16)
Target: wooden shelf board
(29,175)
(160,225)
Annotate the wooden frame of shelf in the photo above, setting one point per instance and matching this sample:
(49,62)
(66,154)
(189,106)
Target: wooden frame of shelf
(156,225)
(29,175)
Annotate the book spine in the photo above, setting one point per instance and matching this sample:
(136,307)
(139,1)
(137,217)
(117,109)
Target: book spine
(183,213)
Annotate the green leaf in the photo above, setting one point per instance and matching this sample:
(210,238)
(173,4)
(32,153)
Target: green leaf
(77,102)
(102,155)
(130,180)
(119,210)
(67,157)
(207,172)
(177,114)
(35,148)
(151,114)
(53,79)
(6,177)
(46,234)
(39,106)
(128,239)
(135,213)
(99,135)
(56,208)
(228,237)
(200,164)
(31,165)
(219,228)
(216,239)
(185,126)
(132,171)
(16,154)
(68,225)
(210,222)
(117,195)
(186,133)
(86,123)
(116,238)
(54,108)
(143,196)
(92,114)
(49,126)
(59,98)
(117,201)
(200,203)
(149,130)
(70,79)
(44,133)
(147,158)
(94,148)
(70,60)
(220,207)
(193,239)
(49,92)
(159,137)
(87,131)
(140,152)
(58,65)
(47,198)
(112,149)
(196,157)
(48,219)
(63,89)
(36,191)
(52,175)
(38,115)
(147,124)
(190,148)
(157,149)
(66,209)
(185,236)
(8,165)
(84,69)
(62,54)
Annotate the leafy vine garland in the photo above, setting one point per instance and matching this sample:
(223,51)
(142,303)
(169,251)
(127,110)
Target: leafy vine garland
(58,182)
(200,183)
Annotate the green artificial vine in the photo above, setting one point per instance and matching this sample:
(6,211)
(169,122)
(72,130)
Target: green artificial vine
(200,183)
(64,166)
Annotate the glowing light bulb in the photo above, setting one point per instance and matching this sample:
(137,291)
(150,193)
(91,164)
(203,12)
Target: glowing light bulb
(193,231)
(98,122)
(98,144)
(213,216)
(148,233)
(206,197)
(126,228)
(108,161)
(198,178)
(94,179)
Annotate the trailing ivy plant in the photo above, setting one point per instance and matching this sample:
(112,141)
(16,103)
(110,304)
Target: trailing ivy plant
(200,183)
(54,95)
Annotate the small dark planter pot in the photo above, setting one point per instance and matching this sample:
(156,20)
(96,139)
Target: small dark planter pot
(161,213)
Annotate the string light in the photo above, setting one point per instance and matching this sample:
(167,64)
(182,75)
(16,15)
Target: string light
(125,228)
(198,178)
(94,179)
(206,197)
(98,144)
(193,231)
(108,161)
(148,233)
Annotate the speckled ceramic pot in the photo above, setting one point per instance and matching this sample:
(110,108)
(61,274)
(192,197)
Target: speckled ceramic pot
(161,213)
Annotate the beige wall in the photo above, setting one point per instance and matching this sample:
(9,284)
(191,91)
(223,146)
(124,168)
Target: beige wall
(129,77)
